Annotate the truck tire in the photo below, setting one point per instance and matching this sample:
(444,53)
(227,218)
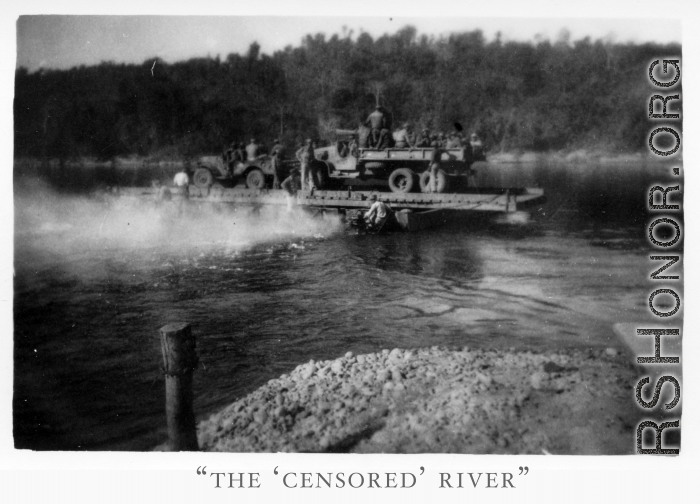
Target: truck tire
(402,180)
(203,178)
(255,179)
(424,182)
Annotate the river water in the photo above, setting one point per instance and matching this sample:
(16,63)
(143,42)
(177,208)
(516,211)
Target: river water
(95,278)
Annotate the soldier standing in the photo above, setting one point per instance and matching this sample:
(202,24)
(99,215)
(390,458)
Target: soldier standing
(434,168)
(291,186)
(181,191)
(252,150)
(228,154)
(306,156)
(161,192)
(375,121)
(239,153)
(352,147)
(233,157)
(181,181)
(477,147)
(277,154)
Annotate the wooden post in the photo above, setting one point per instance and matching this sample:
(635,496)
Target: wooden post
(179,360)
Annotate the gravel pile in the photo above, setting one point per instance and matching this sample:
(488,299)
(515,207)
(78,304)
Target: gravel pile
(437,400)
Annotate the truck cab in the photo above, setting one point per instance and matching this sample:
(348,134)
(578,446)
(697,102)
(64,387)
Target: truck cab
(343,162)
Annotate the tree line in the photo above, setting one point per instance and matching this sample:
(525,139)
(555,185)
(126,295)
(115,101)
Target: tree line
(538,95)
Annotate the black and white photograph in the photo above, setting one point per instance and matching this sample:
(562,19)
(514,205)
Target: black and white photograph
(347,234)
(405,242)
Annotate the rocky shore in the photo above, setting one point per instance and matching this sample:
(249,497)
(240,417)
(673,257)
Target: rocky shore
(438,400)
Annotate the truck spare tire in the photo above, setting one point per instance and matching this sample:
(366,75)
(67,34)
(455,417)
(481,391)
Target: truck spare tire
(424,182)
(402,180)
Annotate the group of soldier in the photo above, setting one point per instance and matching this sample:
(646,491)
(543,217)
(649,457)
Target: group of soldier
(375,133)
(240,153)
(303,178)
(453,140)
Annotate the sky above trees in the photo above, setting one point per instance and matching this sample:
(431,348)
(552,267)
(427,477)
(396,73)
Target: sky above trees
(61,42)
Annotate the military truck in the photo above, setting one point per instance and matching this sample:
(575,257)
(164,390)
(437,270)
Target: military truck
(406,169)
(256,173)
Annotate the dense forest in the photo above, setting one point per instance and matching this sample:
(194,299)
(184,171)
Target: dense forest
(538,95)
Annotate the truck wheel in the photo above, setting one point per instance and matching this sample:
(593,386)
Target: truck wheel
(424,182)
(402,180)
(203,178)
(255,179)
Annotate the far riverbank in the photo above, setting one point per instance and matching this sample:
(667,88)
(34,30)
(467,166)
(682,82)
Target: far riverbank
(169,163)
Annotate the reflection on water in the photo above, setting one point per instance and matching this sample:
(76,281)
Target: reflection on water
(263,297)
